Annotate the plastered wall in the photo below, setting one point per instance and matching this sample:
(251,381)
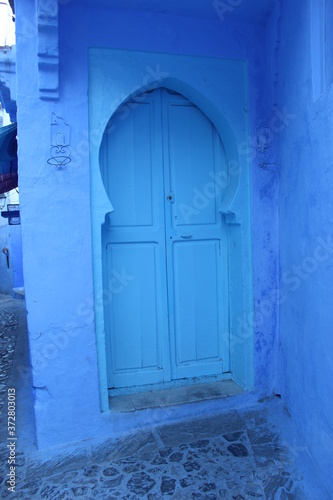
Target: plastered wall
(305,227)
(56,209)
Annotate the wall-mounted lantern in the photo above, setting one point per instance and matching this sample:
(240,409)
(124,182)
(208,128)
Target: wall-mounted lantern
(60,151)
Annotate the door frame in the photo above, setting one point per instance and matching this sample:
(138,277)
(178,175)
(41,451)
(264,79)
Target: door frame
(220,92)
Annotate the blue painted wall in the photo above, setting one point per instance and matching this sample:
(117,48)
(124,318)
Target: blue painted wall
(55,205)
(305,227)
(217,39)
(16,244)
(10,237)
(6,273)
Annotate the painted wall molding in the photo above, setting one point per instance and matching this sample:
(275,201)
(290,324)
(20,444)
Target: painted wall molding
(48,50)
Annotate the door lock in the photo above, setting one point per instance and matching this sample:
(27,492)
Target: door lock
(170,197)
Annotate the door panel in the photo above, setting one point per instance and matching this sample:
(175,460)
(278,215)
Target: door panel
(196,242)
(130,175)
(134,243)
(191,159)
(196,305)
(168,314)
(134,313)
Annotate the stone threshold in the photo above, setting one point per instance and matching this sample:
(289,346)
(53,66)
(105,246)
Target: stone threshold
(174,396)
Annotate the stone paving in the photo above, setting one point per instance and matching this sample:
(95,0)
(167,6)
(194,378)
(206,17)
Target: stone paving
(241,454)
(8,333)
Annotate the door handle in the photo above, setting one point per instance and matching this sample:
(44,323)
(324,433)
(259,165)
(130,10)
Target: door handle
(186,236)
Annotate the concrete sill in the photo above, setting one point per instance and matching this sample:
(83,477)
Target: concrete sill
(174,396)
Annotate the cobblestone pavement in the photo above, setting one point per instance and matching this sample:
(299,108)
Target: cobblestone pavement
(8,334)
(241,454)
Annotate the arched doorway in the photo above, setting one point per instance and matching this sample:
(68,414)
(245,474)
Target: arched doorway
(164,248)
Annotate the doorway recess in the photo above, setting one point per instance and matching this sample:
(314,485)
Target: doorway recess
(165,244)
(171,239)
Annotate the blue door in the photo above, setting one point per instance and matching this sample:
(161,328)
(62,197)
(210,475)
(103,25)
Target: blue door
(164,261)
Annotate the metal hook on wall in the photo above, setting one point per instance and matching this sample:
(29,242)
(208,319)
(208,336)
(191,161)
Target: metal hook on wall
(6,252)
(264,139)
(60,150)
